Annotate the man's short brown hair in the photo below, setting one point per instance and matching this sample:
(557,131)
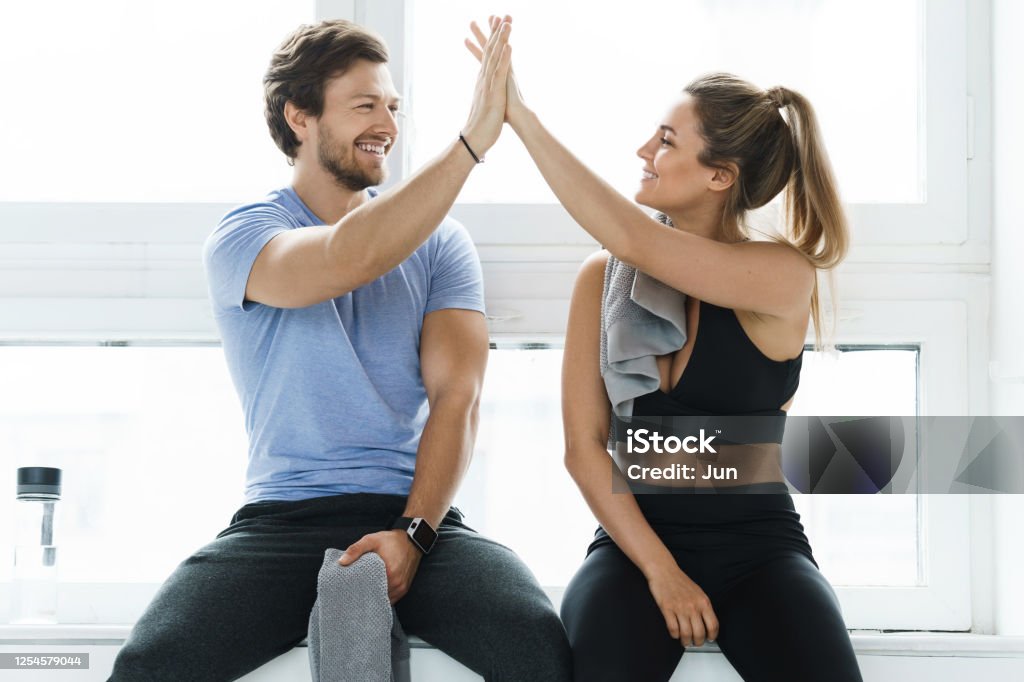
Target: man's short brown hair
(305,61)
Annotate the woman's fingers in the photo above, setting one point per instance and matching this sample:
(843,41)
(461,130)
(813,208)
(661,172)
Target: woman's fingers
(671,622)
(711,621)
(697,633)
(685,631)
(691,629)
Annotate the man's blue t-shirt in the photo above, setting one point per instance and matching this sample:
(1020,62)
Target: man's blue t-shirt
(332,393)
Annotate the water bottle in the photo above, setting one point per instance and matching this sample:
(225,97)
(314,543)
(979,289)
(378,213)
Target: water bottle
(35,550)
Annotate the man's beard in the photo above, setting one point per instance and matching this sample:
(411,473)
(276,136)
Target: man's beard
(349,175)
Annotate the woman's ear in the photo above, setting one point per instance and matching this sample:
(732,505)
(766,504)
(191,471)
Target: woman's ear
(724,177)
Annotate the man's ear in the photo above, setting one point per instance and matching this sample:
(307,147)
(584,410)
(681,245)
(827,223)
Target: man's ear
(724,177)
(297,120)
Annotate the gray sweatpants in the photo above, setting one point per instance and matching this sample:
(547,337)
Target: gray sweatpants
(245,598)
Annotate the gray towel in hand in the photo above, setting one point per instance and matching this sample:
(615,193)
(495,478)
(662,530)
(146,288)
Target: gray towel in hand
(641,318)
(354,635)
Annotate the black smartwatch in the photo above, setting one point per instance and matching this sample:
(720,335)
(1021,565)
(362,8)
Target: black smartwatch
(419,531)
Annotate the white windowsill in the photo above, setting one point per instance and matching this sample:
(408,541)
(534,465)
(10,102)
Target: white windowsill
(959,644)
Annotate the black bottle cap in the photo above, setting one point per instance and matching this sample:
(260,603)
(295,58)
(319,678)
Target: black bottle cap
(39,483)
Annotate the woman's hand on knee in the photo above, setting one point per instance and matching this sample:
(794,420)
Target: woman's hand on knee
(686,608)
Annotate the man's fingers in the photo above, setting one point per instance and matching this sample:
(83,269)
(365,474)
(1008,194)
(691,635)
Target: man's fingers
(350,554)
(491,42)
(501,73)
(474,50)
(355,551)
(486,61)
(491,62)
(478,34)
(396,593)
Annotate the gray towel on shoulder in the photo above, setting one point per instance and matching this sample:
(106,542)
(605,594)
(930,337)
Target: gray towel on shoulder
(641,318)
(354,634)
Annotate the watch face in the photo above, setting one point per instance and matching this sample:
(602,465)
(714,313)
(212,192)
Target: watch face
(423,535)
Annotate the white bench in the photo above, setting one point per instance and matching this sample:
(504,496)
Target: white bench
(428,664)
(909,657)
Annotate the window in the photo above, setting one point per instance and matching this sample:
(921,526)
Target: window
(860,539)
(517,484)
(131,108)
(604,90)
(152,444)
(517,489)
(148,437)
(887,81)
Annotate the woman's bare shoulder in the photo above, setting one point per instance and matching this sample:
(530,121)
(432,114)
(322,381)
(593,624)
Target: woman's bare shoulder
(591,272)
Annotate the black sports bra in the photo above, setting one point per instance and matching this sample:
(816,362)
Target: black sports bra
(726,374)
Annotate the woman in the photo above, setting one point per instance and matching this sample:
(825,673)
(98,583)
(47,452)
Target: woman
(671,570)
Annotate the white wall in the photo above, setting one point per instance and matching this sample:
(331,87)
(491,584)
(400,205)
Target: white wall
(1007,330)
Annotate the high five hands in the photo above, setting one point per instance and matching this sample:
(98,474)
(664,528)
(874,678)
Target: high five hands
(487,112)
(515,108)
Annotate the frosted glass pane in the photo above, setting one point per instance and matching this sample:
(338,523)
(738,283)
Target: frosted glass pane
(513,492)
(517,489)
(152,443)
(122,101)
(601,80)
(855,382)
(860,539)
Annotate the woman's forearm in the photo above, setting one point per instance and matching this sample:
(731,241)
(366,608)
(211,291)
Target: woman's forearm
(618,513)
(609,217)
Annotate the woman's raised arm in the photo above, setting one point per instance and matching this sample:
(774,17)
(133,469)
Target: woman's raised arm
(763,277)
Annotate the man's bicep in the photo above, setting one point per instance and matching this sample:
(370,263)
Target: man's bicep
(456,280)
(229,253)
(453,353)
(294,271)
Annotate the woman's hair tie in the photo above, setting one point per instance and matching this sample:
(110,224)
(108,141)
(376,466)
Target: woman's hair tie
(778,96)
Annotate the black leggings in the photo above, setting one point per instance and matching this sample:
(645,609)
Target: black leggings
(779,619)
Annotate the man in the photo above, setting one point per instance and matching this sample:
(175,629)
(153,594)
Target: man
(353,328)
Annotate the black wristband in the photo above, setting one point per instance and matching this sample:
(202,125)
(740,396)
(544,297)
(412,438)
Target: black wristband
(470,149)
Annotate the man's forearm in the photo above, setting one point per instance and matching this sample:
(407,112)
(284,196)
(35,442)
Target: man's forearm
(382,233)
(446,448)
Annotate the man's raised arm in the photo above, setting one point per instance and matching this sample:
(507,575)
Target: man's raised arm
(304,266)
